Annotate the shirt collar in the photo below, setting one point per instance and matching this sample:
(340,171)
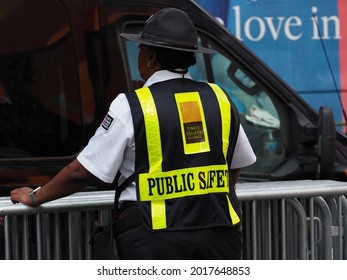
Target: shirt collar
(164,75)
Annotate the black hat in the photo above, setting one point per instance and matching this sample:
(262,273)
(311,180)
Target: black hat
(169,28)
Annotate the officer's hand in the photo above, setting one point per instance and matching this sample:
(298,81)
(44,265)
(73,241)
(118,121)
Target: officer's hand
(21,195)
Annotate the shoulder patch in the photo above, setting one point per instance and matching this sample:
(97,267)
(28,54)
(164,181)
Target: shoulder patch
(107,122)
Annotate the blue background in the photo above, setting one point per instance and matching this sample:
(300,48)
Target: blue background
(301,63)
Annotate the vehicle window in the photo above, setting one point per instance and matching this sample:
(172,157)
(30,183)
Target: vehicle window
(259,110)
(39,99)
(259,114)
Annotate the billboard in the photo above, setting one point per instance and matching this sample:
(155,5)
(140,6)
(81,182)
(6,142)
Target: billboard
(303,41)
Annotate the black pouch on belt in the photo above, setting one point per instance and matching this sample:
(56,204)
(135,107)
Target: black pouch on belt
(103,243)
(103,240)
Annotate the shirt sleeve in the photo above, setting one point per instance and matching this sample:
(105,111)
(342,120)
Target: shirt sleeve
(243,153)
(104,154)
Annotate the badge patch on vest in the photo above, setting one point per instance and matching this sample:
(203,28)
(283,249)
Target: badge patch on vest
(107,122)
(193,124)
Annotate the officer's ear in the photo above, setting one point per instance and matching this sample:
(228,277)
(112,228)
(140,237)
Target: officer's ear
(153,57)
(154,61)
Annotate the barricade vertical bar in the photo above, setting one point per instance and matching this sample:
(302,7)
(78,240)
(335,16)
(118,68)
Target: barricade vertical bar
(39,236)
(301,218)
(57,237)
(46,236)
(264,226)
(25,245)
(283,229)
(340,225)
(254,230)
(74,240)
(318,237)
(312,230)
(105,217)
(327,227)
(269,230)
(289,230)
(344,207)
(88,231)
(276,230)
(78,235)
(71,235)
(15,234)
(297,236)
(263,229)
(7,237)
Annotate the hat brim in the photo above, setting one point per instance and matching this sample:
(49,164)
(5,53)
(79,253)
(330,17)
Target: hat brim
(137,38)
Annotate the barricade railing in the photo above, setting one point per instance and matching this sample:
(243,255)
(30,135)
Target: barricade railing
(281,220)
(294,219)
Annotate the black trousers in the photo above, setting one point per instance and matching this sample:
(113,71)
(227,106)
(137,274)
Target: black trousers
(216,243)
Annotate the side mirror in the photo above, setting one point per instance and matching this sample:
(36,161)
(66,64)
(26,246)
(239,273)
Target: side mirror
(326,143)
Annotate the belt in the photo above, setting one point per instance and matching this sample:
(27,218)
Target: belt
(126,204)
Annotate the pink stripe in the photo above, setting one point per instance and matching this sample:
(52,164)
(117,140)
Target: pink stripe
(342,8)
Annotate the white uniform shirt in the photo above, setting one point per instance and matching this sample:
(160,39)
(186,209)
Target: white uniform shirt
(113,148)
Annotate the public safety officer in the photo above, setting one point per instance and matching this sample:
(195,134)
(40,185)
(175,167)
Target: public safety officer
(182,142)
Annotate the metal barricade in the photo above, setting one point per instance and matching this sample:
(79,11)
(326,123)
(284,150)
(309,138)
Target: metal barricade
(60,229)
(281,220)
(294,220)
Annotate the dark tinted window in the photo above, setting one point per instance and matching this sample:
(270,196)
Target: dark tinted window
(39,99)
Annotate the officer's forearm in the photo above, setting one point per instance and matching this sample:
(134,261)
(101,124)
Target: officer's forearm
(69,180)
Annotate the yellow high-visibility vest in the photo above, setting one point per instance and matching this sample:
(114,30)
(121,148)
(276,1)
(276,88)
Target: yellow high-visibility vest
(185,134)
